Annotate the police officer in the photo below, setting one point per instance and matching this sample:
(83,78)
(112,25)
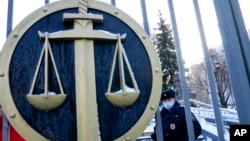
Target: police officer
(173,119)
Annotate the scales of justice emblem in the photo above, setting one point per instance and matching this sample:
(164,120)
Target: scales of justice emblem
(48,101)
(84,36)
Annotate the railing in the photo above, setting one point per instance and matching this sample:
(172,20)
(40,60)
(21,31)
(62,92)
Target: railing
(229,114)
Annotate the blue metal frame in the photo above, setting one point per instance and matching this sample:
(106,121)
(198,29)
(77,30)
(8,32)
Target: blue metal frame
(242,34)
(9,17)
(145,16)
(184,87)
(113,2)
(5,136)
(234,40)
(46,1)
(157,115)
(210,73)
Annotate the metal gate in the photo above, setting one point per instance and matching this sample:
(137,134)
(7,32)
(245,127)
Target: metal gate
(236,45)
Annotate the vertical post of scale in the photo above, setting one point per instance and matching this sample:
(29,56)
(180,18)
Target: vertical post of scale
(87,125)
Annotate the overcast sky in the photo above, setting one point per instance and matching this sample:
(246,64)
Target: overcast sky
(187,26)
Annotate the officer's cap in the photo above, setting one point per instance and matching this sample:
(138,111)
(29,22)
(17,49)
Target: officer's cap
(166,94)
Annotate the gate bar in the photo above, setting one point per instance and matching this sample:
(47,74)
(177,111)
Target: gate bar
(8,30)
(158,129)
(184,87)
(145,16)
(113,2)
(210,74)
(236,67)
(46,1)
(242,34)
(9,17)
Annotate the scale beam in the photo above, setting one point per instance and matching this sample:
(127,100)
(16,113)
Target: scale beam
(75,34)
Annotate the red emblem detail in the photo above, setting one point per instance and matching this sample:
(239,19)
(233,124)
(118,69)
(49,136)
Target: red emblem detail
(172,126)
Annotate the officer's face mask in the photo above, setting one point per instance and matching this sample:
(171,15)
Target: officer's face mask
(168,104)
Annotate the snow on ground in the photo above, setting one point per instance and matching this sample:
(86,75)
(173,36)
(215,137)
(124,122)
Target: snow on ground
(212,129)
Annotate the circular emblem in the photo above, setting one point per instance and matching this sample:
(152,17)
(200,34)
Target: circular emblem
(172,126)
(79,70)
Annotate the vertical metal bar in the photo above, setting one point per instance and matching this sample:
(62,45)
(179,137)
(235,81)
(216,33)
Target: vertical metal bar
(5,128)
(242,34)
(238,77)
(46,2)
(210,74)
(158,129)
(184,87)
(113,2)
(9,17)
(144,16)
(8,30)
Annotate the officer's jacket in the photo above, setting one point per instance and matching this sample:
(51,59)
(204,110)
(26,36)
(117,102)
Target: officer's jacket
(174,126)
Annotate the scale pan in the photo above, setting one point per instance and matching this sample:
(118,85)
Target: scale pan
(121,100)
(46,103)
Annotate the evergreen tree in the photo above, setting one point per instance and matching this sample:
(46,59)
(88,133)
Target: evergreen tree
(164,43)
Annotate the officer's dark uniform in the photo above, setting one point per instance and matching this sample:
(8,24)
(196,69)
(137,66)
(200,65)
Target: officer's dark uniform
(174,124)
